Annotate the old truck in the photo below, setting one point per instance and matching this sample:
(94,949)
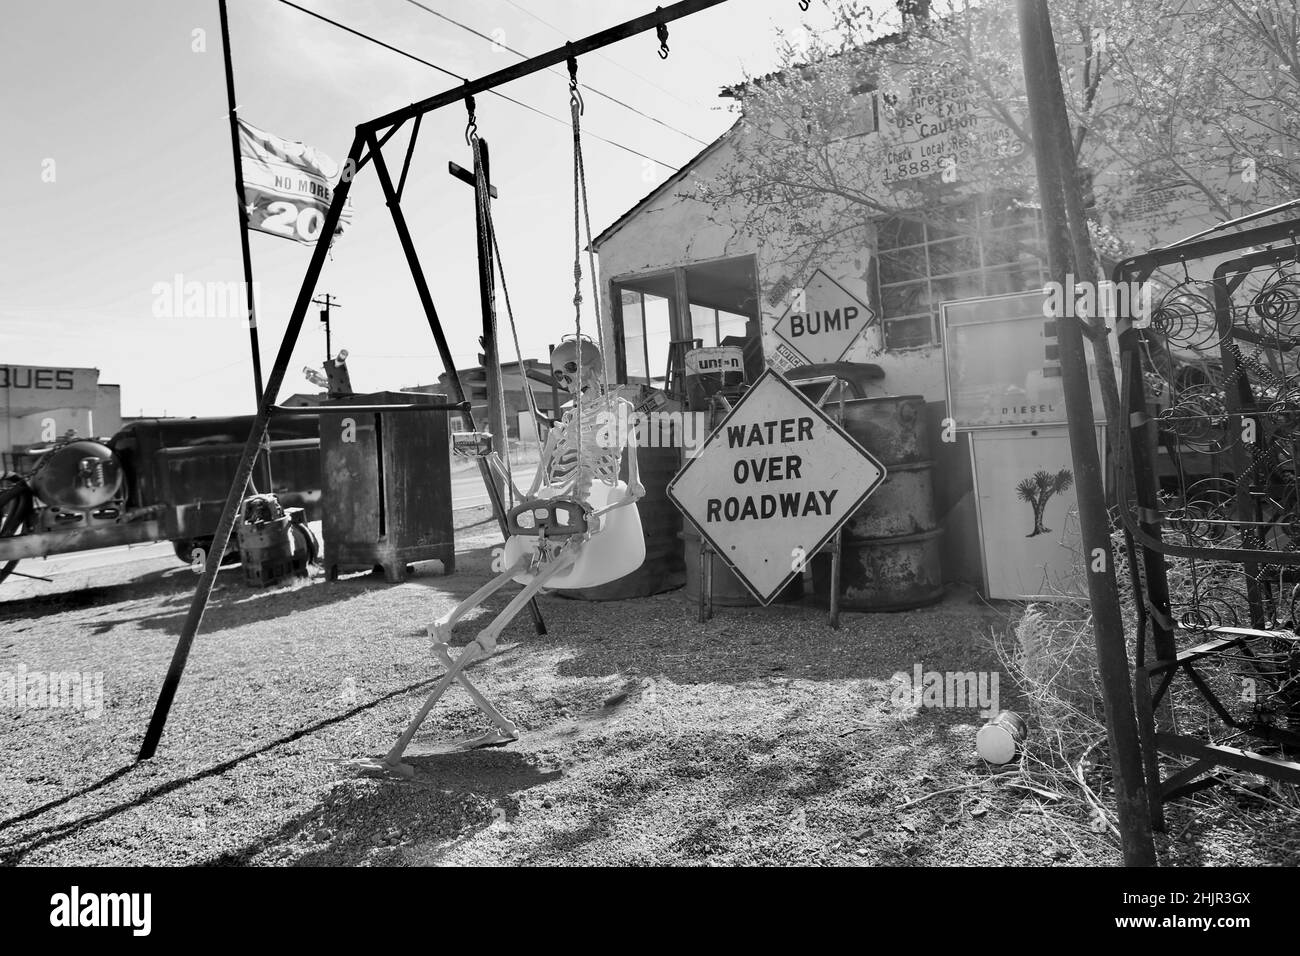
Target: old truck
(155,480)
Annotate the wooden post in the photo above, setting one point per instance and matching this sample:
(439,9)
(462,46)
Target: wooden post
(487,302)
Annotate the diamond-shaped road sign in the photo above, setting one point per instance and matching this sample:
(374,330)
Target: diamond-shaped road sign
(824,320)
(772,483)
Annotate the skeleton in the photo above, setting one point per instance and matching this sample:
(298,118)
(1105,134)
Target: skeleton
(577,475)
(579,466)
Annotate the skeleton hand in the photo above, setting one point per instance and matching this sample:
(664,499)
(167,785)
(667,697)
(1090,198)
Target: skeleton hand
(593,524)
(635,492)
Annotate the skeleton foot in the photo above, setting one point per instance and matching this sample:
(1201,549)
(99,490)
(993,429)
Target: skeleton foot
(487,640)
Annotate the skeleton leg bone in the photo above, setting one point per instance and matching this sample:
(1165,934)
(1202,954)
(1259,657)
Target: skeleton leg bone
(440,629)
(504,724)
(487,638)
(482,645)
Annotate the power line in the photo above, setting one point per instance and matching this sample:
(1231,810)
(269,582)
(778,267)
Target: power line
(524,56)
(508,99)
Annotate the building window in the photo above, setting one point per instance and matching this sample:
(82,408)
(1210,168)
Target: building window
(646,334)
(713,326)
(659,316)
(972,252)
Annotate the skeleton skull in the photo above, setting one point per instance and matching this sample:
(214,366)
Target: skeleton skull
(576,365)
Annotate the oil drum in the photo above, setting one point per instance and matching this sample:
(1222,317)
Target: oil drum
(891,546)
(728,590)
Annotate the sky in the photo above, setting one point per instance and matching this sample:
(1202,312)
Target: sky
(117,160)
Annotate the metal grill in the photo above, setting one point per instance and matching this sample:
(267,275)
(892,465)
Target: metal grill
(1210,495)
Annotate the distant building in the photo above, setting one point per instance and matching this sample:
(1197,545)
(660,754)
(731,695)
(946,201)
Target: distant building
(41,403)
(474,381)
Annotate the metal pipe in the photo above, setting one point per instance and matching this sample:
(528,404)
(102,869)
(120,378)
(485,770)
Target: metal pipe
(239,196)
(221,538)
(1108,625)
(360,409)
(41,544)
(244,250)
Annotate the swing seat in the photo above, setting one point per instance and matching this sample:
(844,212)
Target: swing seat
(617,549)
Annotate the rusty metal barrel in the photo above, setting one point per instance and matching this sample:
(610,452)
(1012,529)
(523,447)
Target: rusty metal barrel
(728,590)
(891,557)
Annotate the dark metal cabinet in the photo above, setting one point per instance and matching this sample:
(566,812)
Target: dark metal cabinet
(386,485)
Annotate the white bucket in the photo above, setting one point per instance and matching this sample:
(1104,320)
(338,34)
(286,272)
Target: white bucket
(999,739)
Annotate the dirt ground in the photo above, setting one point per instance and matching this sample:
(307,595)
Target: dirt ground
(762,737)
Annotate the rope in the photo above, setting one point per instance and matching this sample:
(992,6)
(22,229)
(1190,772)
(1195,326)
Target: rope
(575,111)
(514,332)
(582,220)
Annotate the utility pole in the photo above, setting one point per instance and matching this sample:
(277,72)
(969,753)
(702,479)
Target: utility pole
(325,317)
(1048,122)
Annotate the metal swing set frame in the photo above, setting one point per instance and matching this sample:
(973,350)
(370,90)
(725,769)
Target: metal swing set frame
(367,146)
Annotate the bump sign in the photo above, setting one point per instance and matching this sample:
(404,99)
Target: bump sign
(776,478)
(824,320)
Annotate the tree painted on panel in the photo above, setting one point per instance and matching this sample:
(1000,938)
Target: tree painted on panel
(1039,490)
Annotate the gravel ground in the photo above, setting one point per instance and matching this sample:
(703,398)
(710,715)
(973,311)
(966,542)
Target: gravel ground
(762,737)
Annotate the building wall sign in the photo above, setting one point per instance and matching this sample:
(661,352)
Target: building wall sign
(25,389)
(721,359)
(824,320)
(933,128)
(773,483)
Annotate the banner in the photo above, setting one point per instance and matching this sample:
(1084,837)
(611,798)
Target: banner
(287,186)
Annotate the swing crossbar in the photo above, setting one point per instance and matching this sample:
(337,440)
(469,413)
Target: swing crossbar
(542,61)
(366,146)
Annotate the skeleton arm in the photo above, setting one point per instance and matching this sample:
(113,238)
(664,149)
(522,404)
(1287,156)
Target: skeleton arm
(548,450)
(635,490)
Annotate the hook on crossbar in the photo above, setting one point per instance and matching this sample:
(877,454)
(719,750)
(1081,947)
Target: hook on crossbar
(471,127)
(804,5)
(661,31)
(575,97)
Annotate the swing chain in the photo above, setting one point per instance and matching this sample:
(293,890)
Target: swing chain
(804,4)
(471,128)
(576,108)
(661,31)
(576,105)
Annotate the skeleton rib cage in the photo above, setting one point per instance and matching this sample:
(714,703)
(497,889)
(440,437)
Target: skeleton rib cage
(579,456)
